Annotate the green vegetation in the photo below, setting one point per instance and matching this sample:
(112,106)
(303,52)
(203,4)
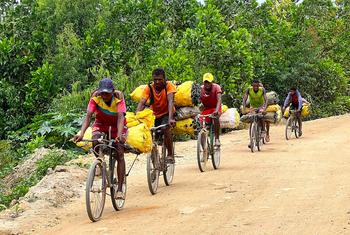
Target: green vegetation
(50,160)
(53,53)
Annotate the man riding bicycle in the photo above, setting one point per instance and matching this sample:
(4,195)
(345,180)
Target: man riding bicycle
(211,101)
(296,101)
(161,94)
(258,101)
(109,108)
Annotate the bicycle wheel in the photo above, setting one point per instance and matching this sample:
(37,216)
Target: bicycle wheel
(202,151)
(258,137)
(118,204)
(153,171)
(95,193)
(216,157)
(289,128)
(168,172)
(296,128)
(252,134)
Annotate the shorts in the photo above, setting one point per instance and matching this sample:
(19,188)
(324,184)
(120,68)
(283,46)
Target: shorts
(207,112)
(161,120)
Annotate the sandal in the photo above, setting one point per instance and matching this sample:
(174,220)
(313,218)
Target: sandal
(217,143)
(267,138)
(120,195)
(170,159)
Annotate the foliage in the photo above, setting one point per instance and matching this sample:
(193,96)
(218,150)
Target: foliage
(52,159)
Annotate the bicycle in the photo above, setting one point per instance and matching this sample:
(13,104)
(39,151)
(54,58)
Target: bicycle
(102,176)
(292,125)
(205,144)
(257,139)
(156,160)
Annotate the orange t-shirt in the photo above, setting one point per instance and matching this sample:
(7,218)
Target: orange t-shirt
(160,105)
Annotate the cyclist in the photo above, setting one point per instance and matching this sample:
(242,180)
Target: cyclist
(294,98)
(161,94)
(257,100)
(211,101)
(109,108)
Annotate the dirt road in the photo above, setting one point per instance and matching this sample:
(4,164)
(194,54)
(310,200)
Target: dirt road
(291,187)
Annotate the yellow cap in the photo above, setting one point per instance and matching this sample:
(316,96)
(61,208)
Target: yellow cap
(208,77)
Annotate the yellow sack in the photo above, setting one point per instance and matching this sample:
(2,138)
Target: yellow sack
(88,136)
(279,116)
(273,108)
(140,138)
(185,126)
(224,108)
(183,95)
(136,95)
(286,113)
(305,110)
(146,116)
(131,119)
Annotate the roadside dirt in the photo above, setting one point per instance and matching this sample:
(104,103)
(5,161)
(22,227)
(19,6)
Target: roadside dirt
(300,186)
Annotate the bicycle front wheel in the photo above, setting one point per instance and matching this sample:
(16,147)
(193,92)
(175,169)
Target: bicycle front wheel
(259,139)
(168,172)
(202,151)
(118,204)
(95,193)
(296,128)
(216,157)
(252,134)
(289,128)
(153,171)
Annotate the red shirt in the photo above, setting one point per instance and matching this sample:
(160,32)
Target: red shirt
(210,100)
(106,115)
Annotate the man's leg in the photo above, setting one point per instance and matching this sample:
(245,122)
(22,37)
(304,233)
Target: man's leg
(168,140)
(120,169)
(267,132)
(217,131)
(300,123)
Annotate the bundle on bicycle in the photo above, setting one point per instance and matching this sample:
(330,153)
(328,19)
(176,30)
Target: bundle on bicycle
(103,174)
(206,148)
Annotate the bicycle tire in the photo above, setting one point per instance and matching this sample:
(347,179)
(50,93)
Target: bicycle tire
(202,151)
(289,128)
(152,171)
(118,204)
(296,130)
(252,136)
(215,159)
(258,138)
(95,213)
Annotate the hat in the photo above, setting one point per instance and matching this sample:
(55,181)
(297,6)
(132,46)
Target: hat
(106,85)
(208,77)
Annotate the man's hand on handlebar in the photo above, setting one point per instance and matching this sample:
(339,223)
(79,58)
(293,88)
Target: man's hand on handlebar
(172,122)
(77,138)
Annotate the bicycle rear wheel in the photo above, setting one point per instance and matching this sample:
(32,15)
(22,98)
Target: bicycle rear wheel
(118,204)
(153,171)
(289,128)
(168,172)
(95,192)
(202,151)
(252,135)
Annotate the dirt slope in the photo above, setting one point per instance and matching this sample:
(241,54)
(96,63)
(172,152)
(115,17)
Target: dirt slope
(291,187)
